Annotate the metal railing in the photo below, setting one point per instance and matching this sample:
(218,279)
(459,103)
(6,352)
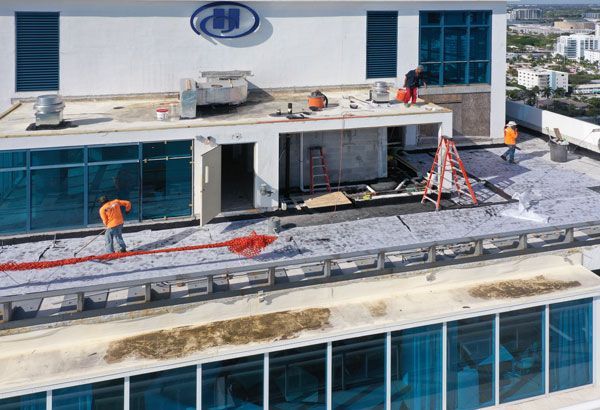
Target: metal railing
(395,259)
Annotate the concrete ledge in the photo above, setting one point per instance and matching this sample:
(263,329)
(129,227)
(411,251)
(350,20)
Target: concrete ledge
(456,89)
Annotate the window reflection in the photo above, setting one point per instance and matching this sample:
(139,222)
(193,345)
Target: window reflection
(35,401)
(233,384)
(106,395)
(168,390)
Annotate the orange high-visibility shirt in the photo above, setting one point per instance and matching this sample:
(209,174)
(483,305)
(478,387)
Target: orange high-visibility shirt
(510,136)
(111,212)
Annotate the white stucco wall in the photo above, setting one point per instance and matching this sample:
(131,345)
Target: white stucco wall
(131,46)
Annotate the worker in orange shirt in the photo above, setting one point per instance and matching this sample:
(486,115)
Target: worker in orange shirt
(510,139)
(112,217)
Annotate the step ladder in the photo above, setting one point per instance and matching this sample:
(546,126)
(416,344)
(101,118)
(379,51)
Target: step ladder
(446,157)
(319,176)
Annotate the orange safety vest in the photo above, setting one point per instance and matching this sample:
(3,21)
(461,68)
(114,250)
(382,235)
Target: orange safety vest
(111,213)
(510,136)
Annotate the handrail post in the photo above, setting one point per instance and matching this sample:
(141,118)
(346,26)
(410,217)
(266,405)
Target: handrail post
(327,268)
(6,311)
(147,292)
(569,235)
(209,284)
(271,277)
(431,254)
(478,248)
(381,261)
(522,242)
(79,303)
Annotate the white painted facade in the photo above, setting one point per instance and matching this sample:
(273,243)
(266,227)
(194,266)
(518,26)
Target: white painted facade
(592,55)
(134,46)
(573,47)
(552,79)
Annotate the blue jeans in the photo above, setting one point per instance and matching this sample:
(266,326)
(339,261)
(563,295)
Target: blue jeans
(510,153)
(114,234)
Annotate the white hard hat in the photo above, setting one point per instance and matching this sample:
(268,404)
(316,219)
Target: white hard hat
(511,124)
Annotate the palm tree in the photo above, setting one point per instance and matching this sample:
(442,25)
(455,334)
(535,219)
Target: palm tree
(560,92)
(547,92)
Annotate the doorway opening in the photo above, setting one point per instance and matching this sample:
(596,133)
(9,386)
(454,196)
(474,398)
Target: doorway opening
(237,177)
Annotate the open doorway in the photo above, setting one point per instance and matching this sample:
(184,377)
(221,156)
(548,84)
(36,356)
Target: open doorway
(237,178)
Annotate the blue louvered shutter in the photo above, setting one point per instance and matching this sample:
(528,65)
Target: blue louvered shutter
(37,51)
(382,44)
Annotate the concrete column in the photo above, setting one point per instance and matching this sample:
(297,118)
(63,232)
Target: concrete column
(411,135)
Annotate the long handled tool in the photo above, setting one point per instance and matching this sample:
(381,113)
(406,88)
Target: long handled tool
(88,244)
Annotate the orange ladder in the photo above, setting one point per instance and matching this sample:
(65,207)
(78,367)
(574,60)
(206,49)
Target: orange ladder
(319,176)
(447,150)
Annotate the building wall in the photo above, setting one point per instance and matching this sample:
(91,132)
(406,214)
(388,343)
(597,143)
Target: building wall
(127,47)
(360,153)
(470,112)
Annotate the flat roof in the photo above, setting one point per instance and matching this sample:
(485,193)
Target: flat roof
(156,339)
(559,191)
(139,114)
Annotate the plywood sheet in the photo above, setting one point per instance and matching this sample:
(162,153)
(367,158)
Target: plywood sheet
(329,199)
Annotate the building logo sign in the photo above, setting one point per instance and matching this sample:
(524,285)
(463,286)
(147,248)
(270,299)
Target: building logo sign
(225,19)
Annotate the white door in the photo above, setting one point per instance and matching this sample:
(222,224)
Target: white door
(210,193)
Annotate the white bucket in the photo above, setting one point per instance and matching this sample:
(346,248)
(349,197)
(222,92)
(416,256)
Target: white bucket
(162,114)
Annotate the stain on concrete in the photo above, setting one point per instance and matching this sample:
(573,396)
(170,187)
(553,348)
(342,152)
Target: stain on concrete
(513,289)
(377,309)
(183,341)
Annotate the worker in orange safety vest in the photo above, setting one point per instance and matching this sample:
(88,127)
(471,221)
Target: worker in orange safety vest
(510,139)
(112,217)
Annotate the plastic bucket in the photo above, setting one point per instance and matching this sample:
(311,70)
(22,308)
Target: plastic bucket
(400,94)
(558,152)
(162,114)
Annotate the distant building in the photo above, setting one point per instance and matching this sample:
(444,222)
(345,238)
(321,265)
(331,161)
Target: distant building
(526,14)
(575,25)
(573,47)
(532,77)
(592,15)
(592,55)
(587,89)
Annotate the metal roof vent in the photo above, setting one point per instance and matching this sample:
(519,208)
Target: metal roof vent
(49,110)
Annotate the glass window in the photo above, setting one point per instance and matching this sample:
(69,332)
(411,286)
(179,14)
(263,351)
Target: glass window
(455,44)
(432,73)
(35,401)
(522,367)
(478,72)
(113,153)
(167,188)
(570,344)
(161,150)
(430,45)
(57,198)
(460,41)
(233,384)
(168,390)
(106,395)
(12,159)
(479,43)
(456,18)
(359,373)
(454,73)
(57,157)
(431,18)
(471,359)
(13,201)
(114,181)
(297,378)
(417,368)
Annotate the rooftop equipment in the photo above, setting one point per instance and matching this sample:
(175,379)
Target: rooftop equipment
(380,92)
(49,110)
(213,88)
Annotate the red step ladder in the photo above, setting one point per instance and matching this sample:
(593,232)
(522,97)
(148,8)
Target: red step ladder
(447,156)
(319,176)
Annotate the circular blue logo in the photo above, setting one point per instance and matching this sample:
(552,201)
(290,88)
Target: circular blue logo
(225,19)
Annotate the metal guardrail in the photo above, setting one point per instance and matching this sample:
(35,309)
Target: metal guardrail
(414,257)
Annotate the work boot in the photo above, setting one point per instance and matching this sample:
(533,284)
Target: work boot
(406,105)
(503,157)
(512,161)
(123,250)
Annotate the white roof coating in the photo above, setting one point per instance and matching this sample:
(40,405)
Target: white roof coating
(560,192)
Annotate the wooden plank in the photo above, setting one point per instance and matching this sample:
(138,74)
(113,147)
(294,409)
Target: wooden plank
(330,199)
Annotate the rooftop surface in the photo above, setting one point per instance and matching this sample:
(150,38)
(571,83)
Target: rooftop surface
(107,115)
(560,192)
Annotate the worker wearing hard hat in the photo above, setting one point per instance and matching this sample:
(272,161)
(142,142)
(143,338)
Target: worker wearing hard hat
(112,217)
(510,139)
(412,81)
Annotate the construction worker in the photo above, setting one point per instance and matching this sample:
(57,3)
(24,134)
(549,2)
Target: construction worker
(112,217)
(412,81)
(510,139)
